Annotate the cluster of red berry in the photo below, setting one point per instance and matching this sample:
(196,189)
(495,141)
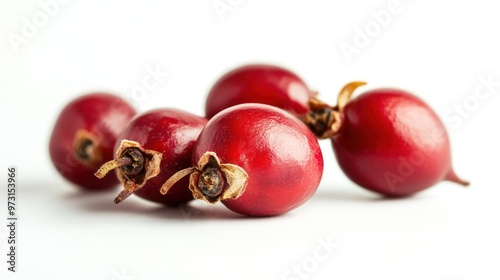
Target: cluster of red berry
(258,152)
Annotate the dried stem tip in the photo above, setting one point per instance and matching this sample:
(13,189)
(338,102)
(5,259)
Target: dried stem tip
(345,94)
(211,181)
(112,164)
(324,120)
(135,166)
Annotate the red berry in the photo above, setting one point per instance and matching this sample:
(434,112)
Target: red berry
(259,160)
(153,147)
(84,135)
(275,86)
(264,84)
(391,142)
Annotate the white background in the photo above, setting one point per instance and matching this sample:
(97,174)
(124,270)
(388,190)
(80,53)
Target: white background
(437,49)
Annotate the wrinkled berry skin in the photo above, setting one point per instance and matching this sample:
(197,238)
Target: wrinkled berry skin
(278,152)
(103,115)
(173,133)
(259,83)
(392,143)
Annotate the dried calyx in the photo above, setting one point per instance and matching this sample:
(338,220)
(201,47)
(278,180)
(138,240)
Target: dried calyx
(211,181)
(135,166)
(324,120)
(87,148)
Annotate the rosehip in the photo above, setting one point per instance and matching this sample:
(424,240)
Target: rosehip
(257,159)
(153,147)
(389,141)
(264,84)
(275,86)
(84,135)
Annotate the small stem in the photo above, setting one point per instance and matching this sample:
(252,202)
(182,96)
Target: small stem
(176,178)
(112,164)
(123,195)
(452,177)
(346,93)
(325,120)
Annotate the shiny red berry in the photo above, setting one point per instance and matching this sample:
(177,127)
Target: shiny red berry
(391,142)
(153,147)
(84,135)
(275,86)
(257,159)
(257,83)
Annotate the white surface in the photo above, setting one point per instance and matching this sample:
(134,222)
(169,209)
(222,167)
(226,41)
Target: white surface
(439,51)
